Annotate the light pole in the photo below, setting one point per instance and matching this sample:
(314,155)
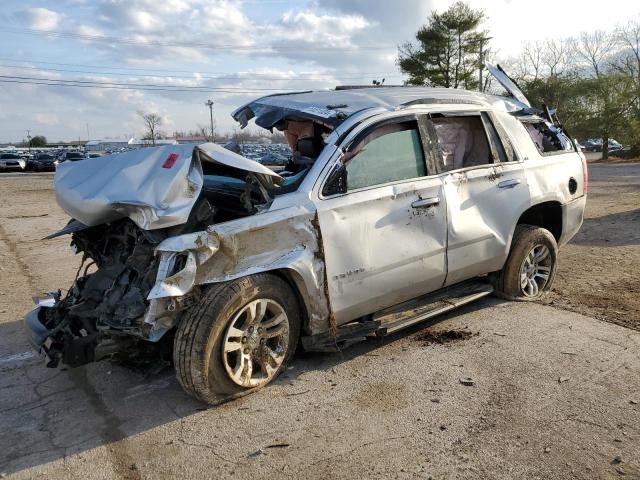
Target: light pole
(209,103)
(29,138)
(481,56)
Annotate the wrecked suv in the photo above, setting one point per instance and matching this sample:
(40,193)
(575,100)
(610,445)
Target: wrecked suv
(397,204)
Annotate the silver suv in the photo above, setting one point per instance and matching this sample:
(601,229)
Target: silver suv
(396,205)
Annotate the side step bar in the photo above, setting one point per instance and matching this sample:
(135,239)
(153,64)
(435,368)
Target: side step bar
(399,316)
(428,306)
(346,335)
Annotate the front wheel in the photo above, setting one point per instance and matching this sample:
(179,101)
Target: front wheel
(239,337)
(531,266)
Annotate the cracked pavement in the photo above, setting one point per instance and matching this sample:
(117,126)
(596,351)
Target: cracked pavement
(552,397)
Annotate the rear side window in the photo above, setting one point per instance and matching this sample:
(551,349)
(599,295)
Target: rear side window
(462,141)
(548,138)
(389,153)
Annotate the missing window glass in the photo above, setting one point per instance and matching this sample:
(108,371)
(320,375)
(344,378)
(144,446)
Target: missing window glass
(463,141)
(547,138)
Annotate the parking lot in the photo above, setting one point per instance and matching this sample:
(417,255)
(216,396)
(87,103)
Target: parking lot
(555,387)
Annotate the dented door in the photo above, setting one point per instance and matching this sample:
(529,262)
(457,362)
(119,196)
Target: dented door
(483,206)
(379,249)
(384,243)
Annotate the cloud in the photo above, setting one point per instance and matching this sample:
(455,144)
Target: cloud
(327,43)
(320,30)
(44,118)
(89,30)
(41,18)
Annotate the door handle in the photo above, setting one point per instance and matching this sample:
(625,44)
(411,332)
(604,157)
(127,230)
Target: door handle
(509,183)
(426,202)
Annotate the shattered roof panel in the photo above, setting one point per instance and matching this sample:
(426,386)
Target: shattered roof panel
(332,107)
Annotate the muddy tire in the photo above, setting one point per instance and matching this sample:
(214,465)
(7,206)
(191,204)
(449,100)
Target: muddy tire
(531,266)
(238,338)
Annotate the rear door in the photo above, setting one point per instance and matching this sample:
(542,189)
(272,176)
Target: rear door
(384,238)
(486,190)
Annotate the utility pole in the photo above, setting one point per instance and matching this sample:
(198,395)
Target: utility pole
(481,54)
(480,68)
(88,136)
(209,103)
(29,138)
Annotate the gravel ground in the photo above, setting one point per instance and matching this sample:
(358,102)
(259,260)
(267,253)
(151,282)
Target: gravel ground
(554,394)
(598,270)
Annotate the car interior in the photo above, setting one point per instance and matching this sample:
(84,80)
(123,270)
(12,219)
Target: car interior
(546,137)
(463,141)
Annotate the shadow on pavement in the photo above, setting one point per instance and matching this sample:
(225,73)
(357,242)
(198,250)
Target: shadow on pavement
(49,414)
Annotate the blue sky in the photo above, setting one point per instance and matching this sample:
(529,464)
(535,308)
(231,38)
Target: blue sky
(242,48)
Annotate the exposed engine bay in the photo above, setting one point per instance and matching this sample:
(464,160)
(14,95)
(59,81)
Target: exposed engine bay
(104,311)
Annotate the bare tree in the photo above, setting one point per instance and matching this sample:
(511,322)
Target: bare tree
(612,96)
(557,55)
(206,131)
(151,121)
(595,50)
(629,38)
(532,60)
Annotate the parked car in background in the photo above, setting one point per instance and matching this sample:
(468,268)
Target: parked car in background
(595,145)
(67,156)
(72,156)
(12,162)
(398,204)
(42,162)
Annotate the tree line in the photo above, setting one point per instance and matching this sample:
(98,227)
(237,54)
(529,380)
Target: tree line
(593,79)
(153,122)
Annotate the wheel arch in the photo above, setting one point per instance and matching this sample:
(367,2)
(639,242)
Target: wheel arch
(299,289)
(547,215)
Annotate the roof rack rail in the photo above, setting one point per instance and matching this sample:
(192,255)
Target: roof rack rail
(355,87)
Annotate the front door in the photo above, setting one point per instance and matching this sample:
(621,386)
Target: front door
(384,239)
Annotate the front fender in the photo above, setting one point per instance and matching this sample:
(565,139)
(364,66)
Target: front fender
(287,240)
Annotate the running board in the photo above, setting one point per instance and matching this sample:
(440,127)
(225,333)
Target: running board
(428,306)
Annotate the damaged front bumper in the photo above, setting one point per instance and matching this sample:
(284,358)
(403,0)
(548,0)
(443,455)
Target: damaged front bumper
(169,294)
(37,333)
(178,258)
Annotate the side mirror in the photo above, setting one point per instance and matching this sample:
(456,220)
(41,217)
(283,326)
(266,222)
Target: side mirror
(336,182)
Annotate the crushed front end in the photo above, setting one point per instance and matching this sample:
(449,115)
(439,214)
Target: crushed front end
(130,288)
(103,311)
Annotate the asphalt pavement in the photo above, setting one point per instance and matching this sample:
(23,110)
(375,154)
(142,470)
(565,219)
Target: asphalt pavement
(526,391)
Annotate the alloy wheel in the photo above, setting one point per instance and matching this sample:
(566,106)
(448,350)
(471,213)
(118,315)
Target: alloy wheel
(535,271)
(256,343)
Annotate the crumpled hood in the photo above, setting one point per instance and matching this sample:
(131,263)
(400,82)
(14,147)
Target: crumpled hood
(155,187)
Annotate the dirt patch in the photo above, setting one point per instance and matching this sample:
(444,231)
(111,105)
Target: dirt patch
(598,270)
(382,396)
(444,336)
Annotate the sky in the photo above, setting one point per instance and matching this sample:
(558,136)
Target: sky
(170,56)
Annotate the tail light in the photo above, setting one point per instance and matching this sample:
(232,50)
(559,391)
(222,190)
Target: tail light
(171,159)
(585,173)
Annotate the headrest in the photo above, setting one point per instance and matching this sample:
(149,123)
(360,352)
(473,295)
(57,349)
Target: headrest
(309,147)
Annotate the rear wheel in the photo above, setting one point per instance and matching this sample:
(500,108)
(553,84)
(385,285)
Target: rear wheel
(238,338)
(531,266)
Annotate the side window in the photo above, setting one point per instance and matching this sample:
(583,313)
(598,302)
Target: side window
(463,141)
(387,154)
(547,137)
